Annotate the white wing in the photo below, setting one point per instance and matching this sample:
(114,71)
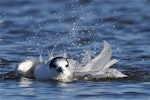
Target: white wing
(100,66)
(102,61)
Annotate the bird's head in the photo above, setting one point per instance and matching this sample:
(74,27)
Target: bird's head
(60,66)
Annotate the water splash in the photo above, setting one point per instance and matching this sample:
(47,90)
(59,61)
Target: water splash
(1,18)
(99,67)
(89,68)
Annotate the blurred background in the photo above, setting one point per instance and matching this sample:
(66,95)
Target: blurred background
(29,28)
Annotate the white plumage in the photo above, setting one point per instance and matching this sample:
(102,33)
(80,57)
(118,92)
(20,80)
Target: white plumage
(39,70)
(63,69)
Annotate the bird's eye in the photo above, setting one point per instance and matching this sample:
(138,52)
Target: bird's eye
(67,65)
(52,65)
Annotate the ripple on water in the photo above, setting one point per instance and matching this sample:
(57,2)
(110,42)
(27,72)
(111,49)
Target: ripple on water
(31,28)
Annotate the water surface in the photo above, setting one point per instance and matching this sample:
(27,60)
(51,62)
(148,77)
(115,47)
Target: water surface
(34,27)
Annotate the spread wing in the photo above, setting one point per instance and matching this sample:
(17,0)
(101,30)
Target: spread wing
(99,67)
(103,60)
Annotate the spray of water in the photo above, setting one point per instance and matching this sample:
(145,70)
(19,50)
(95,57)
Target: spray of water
(99,67)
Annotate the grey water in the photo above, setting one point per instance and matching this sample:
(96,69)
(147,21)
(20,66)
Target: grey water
(29,28)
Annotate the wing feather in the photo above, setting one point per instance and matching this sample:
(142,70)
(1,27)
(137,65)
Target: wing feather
(99,62)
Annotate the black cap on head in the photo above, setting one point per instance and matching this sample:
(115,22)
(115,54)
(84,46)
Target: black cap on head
(52,63)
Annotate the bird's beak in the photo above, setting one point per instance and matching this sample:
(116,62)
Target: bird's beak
(60,70)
